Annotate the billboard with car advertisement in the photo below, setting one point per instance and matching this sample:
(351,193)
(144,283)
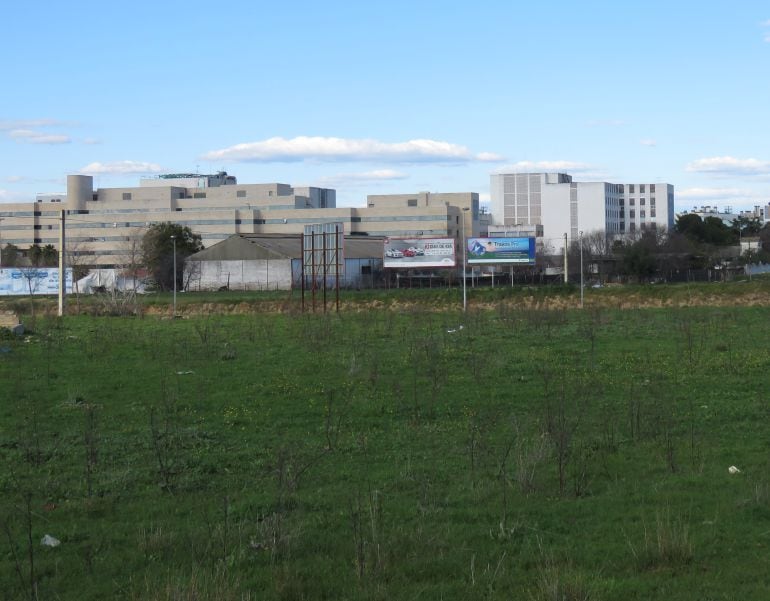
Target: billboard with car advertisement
(419,253)
(501,250)
(32,280)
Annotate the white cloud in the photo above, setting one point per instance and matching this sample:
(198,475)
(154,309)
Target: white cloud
(325,149)
(729,166)
(546,166)
(714,193)
(14,179)
(91,141)
(377,174)
(120,168)
(375,177)
(31,136)
(28,124)
(648,142)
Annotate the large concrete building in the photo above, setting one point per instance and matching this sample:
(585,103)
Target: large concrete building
(105,225)
(563,206)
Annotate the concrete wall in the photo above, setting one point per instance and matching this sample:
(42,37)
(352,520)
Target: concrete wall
(240,275)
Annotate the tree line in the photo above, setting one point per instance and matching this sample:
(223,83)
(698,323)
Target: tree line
(654,253)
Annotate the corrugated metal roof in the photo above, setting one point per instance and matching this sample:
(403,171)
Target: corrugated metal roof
(282,246)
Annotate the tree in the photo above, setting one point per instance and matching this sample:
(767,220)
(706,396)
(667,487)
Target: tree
(10,255)
(639,257)
(158,252)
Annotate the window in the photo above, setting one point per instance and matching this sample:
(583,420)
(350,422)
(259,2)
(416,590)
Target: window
(126,195)
(632,214)
(652,213)
(630,188)
(366,270)
(269,192)
(199,195)
(632,228)
(457,220)
(641,202)
(240,194)
(412,202)
(641,188)
(632,201)
(652,188)
(652,201)
(641,214)
(355,220)
(622,202)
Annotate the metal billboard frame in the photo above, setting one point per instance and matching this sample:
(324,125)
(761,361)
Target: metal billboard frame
(323,257)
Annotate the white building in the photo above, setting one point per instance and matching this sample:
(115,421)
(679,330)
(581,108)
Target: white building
(562,206)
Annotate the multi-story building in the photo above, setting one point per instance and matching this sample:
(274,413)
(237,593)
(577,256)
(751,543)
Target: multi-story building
(105,226)
(563,206)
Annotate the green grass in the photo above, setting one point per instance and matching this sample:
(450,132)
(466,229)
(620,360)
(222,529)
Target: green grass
(529,454)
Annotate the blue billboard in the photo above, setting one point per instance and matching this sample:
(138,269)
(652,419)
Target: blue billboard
(33,280)
(501,250)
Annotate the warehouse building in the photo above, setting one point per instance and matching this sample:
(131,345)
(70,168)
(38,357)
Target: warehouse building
(274,262)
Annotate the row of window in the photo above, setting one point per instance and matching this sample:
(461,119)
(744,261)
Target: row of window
(238,194)
(632,202)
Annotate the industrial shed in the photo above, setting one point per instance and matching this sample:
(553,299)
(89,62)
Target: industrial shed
(274,262)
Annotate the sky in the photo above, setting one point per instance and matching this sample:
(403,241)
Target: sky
(389,97)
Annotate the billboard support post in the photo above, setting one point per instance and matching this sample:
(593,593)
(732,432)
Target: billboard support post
(325,271)
(465,267)
(62,264)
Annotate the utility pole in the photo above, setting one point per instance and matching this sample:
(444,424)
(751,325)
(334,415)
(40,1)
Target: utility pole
(581,269)
(62,264)
(173,240)
(465,263)
(566,271)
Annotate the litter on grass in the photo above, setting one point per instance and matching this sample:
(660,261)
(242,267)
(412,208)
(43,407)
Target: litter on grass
(733,470)
(50,541)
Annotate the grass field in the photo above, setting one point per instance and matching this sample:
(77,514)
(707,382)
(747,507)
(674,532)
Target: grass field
(504,454)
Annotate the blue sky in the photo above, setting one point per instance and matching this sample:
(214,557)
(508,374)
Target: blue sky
(388,97)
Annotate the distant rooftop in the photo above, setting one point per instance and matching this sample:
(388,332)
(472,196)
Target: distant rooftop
(199,180)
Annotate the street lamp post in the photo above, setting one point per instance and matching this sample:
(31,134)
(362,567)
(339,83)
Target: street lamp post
(173,240)
(581,269)
(465,262)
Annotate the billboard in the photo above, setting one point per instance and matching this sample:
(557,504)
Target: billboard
(501,250)
(419,253)
(15,281)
